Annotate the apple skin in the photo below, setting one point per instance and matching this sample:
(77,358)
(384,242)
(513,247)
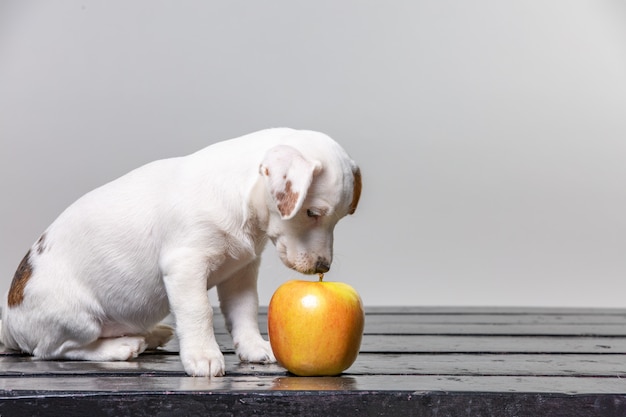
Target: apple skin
(315,327)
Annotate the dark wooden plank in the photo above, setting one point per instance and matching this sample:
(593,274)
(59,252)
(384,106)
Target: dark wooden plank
(366,364)
(415,328)
(482,310)
(503,319)
(512,324)
(240,402)
(36,386)
(609,366)
(492,344)
(472,344)
(446,344)
(390,327)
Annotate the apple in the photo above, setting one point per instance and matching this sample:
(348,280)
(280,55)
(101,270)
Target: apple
(315,327)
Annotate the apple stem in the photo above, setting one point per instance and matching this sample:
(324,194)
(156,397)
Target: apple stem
(321,276)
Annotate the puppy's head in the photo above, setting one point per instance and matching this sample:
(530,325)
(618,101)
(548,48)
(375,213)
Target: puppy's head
(311,184)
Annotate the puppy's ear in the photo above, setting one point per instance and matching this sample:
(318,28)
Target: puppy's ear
(288,175)
(356,192)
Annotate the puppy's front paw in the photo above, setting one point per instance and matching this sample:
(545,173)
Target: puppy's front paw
(203,362)
(255,349)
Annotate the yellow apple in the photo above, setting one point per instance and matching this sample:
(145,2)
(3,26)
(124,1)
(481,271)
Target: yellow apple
(315,327)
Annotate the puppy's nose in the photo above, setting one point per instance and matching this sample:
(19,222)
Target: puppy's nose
(322,266)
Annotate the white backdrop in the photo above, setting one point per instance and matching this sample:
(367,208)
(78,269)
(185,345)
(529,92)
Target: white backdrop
(491,135)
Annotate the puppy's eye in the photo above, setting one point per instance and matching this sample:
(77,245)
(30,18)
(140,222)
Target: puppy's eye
(313,213)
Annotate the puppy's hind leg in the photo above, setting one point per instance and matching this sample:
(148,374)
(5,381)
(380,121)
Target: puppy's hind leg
(107,349)
(119,348)
(81,338)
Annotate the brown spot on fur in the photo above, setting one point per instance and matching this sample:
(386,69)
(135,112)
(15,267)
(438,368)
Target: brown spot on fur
(20,279)
(356,194)
(286,200)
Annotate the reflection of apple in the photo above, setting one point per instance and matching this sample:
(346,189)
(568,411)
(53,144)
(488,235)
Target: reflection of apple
(321,383)
(315,327)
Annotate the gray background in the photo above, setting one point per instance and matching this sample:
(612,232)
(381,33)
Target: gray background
(491,134)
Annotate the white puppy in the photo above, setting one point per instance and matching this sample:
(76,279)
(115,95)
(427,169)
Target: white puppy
(117,261)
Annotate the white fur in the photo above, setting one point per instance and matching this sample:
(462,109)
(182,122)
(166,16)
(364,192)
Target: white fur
(123,256)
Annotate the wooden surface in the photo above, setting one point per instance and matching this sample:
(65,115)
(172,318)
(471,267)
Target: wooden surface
(413,362)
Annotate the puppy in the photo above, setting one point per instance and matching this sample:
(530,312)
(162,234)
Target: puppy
(98,281)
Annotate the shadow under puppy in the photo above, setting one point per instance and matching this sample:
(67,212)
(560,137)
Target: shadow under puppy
(100,279)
